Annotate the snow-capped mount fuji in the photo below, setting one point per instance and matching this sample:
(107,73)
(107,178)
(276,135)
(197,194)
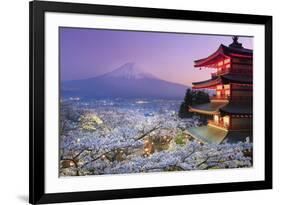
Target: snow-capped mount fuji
(129,71)
(127,81)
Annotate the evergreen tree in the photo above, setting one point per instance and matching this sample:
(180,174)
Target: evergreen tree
(201,97)
(183,112)
(192,97)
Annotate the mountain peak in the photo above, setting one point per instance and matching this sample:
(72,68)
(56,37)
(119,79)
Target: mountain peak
(129,71)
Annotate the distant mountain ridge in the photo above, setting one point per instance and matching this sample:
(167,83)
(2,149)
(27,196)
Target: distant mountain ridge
(127,81)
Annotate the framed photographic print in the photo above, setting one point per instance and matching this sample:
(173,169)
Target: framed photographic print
(140,102)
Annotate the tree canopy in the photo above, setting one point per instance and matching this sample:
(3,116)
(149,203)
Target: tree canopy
(192,97)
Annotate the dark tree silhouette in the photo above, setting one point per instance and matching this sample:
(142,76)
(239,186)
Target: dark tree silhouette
(192,97)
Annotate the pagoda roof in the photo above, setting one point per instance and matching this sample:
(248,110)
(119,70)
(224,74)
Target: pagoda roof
(224,79)
(207,108)
(237,78)
(236,108)
(210,134)
(207,134)
(223,107)
(224,52)
(207,83)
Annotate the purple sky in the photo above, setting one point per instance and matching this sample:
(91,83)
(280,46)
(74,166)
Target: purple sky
(86,53)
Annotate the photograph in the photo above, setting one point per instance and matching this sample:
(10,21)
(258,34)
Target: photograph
(135,102)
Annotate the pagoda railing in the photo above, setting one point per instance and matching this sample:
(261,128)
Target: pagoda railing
(220,72)
(218,124)
(232,127)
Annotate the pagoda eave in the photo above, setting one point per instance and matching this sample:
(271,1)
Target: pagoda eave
(232,78)
(208,108)
(221,53)
(209,134)
(240,56)
(205,62)
(205,112)
(223,79)
(237,109)
(211,83)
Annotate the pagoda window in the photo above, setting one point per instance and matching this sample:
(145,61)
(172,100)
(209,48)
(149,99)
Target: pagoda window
(227,93)
(226,121)
(226,61)
(216,118)
(218,93)
(226,86)
(220,63)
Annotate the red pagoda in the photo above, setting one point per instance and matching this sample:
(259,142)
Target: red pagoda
(230,109)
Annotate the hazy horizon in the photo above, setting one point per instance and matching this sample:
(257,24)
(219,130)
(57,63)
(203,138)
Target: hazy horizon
(90,77)
(87,53)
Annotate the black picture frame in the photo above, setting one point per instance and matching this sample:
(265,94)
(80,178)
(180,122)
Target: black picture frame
(37,11)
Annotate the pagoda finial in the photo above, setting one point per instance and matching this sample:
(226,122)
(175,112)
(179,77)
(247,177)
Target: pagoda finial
(235,39)
(235,43)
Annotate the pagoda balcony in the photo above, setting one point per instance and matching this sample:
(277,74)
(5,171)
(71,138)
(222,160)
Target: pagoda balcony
(220,72)
(218,124)
(239,127)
